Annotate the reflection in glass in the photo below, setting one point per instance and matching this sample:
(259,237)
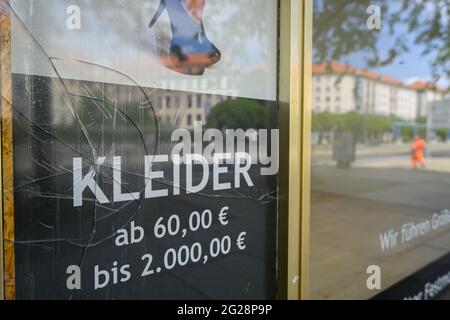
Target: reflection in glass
(380,151)
(107,111)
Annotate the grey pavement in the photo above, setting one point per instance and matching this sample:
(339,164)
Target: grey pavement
(350,209)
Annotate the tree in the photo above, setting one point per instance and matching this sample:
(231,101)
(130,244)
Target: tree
(238,114)
(341,30)
(378,125)
(442,134)
(324,122)
(421,119)
(353,122)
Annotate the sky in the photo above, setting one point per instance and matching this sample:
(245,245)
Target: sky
(408,67)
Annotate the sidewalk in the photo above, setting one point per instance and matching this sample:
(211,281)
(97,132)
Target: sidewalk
(349,211)
(402,162)
(386,156)
(393,148)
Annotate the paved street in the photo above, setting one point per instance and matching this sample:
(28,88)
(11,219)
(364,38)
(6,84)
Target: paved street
(351,208)
(387,156)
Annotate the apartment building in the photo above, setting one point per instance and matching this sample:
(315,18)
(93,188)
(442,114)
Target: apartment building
(340,88)
(426,94)
(174,109)
(184,109)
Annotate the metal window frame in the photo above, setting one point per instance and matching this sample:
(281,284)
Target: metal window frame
(7,254)
(294,96)
(295,112)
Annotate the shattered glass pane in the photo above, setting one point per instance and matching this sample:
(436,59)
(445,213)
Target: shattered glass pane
(102,208)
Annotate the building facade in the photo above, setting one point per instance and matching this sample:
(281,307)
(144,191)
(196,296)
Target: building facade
(340,88)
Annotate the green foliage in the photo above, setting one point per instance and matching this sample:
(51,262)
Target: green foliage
(341,30)
(324,122)
(238,114)
(378,125)
(442,134)
(421,119)
(422,132)
(353,122)
(407,133)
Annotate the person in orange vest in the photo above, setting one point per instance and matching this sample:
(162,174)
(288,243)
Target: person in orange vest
(418,152)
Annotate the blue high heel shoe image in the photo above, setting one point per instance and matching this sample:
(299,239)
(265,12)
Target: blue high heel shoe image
(190,51)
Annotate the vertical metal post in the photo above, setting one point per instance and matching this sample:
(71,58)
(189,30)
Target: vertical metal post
(295,111)
(429,131)
(3,20)
(7,154)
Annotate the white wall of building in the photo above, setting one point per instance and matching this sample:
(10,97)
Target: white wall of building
(335,93)
(406,104)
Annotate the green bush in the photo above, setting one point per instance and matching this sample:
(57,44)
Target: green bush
(407,134)
(353,122)
(442,134)
(324,122)
(238,114)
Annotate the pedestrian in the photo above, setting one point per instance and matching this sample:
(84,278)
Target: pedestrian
(418,152)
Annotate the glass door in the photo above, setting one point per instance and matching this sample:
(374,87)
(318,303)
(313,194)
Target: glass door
(380,155)
(140,149)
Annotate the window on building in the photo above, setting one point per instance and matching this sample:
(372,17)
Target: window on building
(167,104)
(189,120)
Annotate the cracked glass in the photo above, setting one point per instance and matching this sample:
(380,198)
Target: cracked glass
(118,189)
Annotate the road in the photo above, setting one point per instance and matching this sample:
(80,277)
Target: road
(434,154)
(349,211)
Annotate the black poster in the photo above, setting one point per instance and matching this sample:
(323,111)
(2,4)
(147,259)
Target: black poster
(145,157)
(91,224)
